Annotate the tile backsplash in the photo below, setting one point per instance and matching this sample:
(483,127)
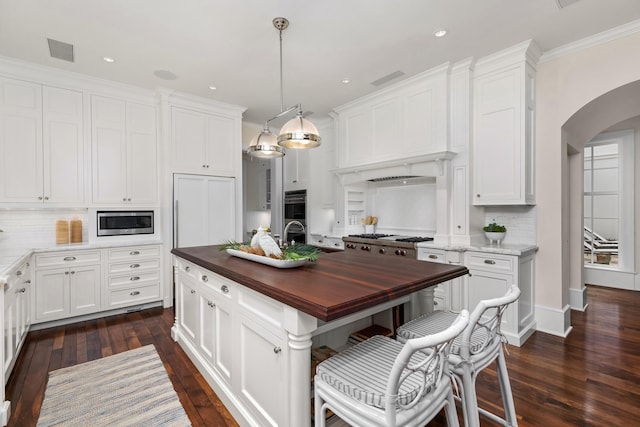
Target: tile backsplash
(30,228)
(519,220)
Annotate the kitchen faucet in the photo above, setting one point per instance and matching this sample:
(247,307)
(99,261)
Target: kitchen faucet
(286,229)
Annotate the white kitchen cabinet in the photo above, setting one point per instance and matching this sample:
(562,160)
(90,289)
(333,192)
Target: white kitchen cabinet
(203,143)
(490,276)
(67,284)
(189,307)
(204,209)
(405,120)
(295,169)
(447,295)
(503,127)
(17,314)
(41,143)
(216,326)
(124,144)
(133,276)
(66,291)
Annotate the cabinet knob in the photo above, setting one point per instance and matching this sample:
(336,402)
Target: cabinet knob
(46,197)
(477,195)
(124,199)
(211,304)
(134,253)
(459,227)
(134,265)
(433,256)
(489,261)
(224,289)
(66,272)
(193,291)
(134,278)
(21,291)
(19,273)
(39,197)
(128,199)
(134,293)
(205,279)
(69,258)
(435,303)
(204,166)
(187,269)
(277,350)
(27,282)
(73,272)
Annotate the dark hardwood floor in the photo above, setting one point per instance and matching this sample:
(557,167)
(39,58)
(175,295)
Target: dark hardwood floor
(591,378)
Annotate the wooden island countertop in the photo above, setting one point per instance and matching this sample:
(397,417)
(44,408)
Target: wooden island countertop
(338,284)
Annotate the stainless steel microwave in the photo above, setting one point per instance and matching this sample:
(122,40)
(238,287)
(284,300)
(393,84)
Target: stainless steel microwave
(124,223)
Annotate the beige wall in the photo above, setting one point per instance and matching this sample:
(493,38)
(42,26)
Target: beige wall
(564,86)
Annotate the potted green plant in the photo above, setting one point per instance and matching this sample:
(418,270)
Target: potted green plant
(495,232)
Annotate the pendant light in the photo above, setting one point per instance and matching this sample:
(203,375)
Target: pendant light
(297,133)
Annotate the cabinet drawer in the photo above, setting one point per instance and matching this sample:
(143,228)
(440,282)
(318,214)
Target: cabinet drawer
(65,259)
(133,279)
(432,255)
(490,262)
(133,252)
(134,295)
(133,266)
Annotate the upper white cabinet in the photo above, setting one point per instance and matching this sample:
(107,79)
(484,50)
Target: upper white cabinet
(503,126)
(124,148)
(204,143)
(41,144)
(403,121)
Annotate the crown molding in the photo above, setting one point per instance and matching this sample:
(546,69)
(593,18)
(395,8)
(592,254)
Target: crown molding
(591,41)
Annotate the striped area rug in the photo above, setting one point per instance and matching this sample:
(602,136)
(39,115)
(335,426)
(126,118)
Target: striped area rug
(126,389)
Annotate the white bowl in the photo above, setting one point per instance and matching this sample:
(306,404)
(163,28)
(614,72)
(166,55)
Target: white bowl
(495,236)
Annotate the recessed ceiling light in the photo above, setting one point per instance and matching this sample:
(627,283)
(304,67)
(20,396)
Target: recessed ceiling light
(212,87)
(346,81)
(108,59)
(440,33)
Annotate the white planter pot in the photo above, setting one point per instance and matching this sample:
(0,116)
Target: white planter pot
(493,236)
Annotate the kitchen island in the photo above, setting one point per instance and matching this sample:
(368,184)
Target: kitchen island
(248,326)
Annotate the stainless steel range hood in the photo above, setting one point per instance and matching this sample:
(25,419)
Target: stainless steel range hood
(431,165)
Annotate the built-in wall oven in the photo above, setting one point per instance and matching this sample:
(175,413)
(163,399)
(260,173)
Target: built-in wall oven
(295,209)
(124,223)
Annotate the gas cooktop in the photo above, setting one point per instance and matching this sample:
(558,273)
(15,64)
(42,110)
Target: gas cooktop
(395,238)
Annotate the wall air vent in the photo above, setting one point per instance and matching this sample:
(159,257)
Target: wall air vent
(393,178)
(387,78)
(60,50)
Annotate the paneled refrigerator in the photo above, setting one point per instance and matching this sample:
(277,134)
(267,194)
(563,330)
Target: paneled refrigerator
(204,210)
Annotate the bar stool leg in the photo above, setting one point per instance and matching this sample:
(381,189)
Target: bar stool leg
(505,390)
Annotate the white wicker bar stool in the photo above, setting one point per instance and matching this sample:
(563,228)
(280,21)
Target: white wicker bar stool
(475,349)
(381,382)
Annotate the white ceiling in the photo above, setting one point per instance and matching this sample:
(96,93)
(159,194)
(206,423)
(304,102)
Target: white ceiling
(234,46)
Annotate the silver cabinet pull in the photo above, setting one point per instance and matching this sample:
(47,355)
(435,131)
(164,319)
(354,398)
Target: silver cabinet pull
(134,278)
(66,272)
(205,279)
(211,304)
(134,265)
(187,269)
(69,258)
(277,350)
(489,261)
(21,291)
(134,253)
(39,197)
(73,272)
(128,199)
(124,199)
(193,291)
(224,289)
(46,197)
(27,282)
(134,293)
(433,256)
(19,273)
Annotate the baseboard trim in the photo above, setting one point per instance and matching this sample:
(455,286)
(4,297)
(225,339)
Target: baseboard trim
(554,321)
(578,298)
(5,412)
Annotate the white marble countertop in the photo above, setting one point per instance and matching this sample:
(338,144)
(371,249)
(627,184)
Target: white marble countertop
(11,258)
(504,249)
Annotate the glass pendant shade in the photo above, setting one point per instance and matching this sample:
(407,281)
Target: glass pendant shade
(299,133)
(265,146)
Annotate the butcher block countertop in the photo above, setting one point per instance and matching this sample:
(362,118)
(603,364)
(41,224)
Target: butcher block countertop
(338,284)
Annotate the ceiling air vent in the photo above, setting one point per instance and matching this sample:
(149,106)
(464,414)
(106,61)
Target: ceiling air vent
(60,50)
(387,78)
(565,3)
(393,178)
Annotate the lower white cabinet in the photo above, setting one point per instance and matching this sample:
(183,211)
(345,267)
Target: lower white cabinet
(17,314)
(490,276)
(237,339)
(133,276)
(448,295)
(67,291)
